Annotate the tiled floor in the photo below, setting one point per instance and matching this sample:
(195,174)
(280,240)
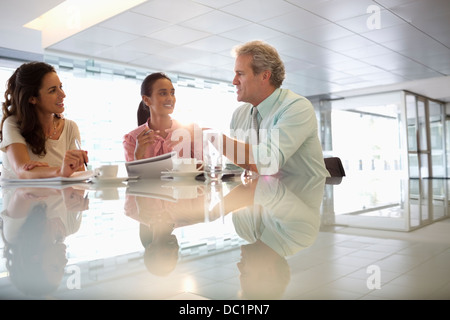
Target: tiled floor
(411,265)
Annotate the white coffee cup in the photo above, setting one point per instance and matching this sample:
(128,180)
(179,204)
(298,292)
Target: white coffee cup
(186,164)
(107,171)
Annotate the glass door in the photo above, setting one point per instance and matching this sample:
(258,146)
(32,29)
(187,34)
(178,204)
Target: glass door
(423,143)
(426,137)
(412,133)
(437,139)
(447,142)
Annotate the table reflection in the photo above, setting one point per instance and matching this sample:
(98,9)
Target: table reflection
(160,208)
(271,217)
(283,219)
(36,221)
(275,217)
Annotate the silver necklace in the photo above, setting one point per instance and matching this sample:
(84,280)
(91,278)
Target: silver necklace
(54,130)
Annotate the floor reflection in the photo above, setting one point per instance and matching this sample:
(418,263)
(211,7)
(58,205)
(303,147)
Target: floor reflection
(386,202)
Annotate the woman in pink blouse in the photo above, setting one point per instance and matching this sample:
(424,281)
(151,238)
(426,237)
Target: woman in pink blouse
(157,132)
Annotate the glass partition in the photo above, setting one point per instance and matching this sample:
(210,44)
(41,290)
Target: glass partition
(394,132)
(366,133)
(437,138)
(447,138)
(426,137)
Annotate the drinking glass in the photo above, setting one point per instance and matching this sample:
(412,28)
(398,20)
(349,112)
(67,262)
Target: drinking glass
(212,155)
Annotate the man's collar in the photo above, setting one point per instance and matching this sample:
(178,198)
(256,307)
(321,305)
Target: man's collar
(265,106)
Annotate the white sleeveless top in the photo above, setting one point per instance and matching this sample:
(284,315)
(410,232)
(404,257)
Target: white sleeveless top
(56,149)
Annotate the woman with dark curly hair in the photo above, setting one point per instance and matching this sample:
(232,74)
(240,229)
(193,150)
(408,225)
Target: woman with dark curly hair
(36,141)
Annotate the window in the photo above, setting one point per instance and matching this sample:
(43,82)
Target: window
(103,100)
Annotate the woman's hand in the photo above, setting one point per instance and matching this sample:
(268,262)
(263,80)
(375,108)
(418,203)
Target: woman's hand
(72,162)
(33,164)
(146,138)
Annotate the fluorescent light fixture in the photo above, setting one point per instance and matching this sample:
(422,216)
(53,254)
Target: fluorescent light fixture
(73,16)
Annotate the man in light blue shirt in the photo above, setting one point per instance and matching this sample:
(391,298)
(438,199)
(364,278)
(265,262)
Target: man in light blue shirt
(287,139)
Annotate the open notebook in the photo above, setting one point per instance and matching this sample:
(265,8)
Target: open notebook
(79,176)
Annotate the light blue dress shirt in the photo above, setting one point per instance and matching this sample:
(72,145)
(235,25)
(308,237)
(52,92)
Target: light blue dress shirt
(288,135)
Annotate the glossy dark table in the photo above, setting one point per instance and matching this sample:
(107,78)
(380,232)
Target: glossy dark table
(163,239)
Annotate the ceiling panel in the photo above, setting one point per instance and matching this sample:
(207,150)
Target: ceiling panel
(122,55)
(327,45)
(213,44)
(173,11)
(259,10)
(414,11)
(80,47)
(105,36)
(334,10)
(216,4)
(215,22)
(178,35)
(369,51)
(294,22)
(146,45)
(324,33)
(251,32)
(135,23)
(358,24)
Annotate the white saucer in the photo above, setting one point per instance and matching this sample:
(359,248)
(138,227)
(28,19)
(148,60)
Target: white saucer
(181,174)
(109,180)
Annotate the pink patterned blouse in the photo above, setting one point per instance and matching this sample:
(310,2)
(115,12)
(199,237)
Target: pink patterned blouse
(161,146)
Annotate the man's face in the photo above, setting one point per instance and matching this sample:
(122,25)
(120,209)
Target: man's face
(248,84)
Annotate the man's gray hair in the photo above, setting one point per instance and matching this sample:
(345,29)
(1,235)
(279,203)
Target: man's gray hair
(265,57)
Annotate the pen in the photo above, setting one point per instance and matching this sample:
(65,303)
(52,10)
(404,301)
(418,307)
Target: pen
(79,148)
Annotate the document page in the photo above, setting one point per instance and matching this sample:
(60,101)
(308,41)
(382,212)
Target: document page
(150,168)
(79,176)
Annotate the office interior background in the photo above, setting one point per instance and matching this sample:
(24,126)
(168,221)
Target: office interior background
(376,71)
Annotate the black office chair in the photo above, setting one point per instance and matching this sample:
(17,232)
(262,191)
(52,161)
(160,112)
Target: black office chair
(336,170)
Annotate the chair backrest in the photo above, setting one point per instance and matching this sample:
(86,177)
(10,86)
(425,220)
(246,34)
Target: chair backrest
(335,167)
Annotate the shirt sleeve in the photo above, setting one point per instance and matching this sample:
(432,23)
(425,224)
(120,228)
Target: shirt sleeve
(129,145)
(11,133)
(73,134)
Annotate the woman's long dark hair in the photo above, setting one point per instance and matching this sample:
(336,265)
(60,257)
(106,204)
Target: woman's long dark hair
(20,87)
(143,112)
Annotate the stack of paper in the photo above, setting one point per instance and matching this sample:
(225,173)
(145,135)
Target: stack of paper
(150,168)
(76,177)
